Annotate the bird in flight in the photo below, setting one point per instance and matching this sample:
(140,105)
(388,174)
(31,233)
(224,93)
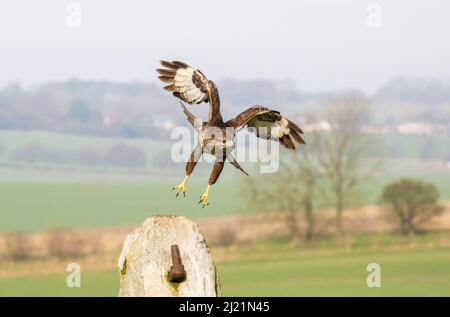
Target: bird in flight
(216,136)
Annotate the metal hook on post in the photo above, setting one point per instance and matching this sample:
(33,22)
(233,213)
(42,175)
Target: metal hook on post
(177,274)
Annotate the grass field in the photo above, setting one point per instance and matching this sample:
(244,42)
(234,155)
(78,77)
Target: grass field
(34,206)
(12,139)
(37,197)
(403,273)
(37,206)
(435,147)
(395,145)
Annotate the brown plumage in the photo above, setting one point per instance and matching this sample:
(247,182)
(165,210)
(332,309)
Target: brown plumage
(192,86)
(259,117)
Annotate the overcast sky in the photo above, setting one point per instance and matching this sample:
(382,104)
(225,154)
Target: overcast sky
(319,45)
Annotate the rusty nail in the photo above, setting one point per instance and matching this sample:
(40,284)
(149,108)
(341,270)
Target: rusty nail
(177,274)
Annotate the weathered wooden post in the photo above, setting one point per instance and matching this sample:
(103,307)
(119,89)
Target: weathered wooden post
(167,256)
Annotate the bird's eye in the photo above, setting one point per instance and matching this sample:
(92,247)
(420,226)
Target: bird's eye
(224,141)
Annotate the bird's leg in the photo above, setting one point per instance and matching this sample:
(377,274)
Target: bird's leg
(204,197)
(181,188)
(190,165)
(217,169)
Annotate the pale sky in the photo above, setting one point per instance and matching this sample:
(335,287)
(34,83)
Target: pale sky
(318,44)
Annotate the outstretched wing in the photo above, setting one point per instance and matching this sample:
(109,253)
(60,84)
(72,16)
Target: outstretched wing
(185,82)
(268,124)
(191,85)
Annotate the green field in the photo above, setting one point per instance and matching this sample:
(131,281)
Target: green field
(38,196)
(403,273)
(12,139)
(393,145)
(37,206)
(434,147)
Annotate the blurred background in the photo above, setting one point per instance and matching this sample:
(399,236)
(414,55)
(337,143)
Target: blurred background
(85,141)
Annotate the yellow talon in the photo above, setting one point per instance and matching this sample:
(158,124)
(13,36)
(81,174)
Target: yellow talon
(181,188)
(204,198)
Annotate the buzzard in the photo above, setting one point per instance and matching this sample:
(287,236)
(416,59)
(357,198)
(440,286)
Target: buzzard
(216,136)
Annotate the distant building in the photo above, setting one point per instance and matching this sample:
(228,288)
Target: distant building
(376,129)
(322,125)
(415,128)
(108,119)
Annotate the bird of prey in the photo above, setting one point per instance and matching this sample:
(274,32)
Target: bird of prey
(216,136)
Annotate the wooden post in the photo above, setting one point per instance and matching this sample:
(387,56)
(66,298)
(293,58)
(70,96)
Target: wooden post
(150,251)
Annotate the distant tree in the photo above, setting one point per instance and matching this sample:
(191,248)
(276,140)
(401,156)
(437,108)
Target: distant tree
(415,90)
(130,132)
(80,111)
(224,236)
(17,246)
(30,153)
(54,155)
(126,156)
(88,156)
(412,202)
(346,154)
(64,243)
(291,190)
(309,176)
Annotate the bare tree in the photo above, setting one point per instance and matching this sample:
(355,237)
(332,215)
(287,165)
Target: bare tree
(291,190)
(345,151)
(335,162)
(64,243)
(413,202)
(18,246)
(309,176)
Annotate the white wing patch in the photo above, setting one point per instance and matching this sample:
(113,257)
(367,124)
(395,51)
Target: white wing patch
(186,87)
(184,81)
(279,129)
(268,124)
(271,130)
